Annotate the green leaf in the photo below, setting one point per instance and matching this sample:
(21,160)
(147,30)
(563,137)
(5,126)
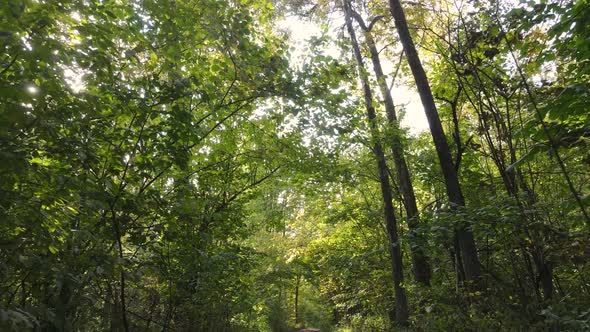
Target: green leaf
(52,249)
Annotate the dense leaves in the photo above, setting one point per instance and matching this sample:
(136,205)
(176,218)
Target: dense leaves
(169,166)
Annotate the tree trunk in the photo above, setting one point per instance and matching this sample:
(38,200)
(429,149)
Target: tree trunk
(463,233)
(298,280)
(421,267)
(401,303)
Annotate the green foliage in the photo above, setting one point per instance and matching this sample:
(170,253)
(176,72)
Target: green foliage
(128,151)
(164,167)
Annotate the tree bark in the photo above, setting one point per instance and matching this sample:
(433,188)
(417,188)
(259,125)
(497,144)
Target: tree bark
(421,266)
(401,303)
(463,233)
(298,280)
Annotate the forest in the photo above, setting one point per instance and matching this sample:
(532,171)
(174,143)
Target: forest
(185,165)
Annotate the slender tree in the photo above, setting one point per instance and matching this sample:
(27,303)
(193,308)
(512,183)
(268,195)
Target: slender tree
(401,305)
(464,235)
(421,267)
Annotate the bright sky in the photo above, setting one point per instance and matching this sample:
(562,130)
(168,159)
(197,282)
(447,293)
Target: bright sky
(301,30)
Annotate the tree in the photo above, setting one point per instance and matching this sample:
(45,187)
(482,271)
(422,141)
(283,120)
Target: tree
(126,187)
(401,305)
(420,263)
(180,165)
(464,235)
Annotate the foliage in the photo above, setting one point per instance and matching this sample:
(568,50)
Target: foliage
(168,165)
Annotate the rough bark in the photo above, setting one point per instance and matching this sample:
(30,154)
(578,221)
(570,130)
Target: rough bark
(401,303)
(463,233)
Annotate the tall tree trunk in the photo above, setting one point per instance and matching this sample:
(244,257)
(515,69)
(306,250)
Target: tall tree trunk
(463,233)
(123,309)
(419,258)
(401,302)
(298,280)
(421,267)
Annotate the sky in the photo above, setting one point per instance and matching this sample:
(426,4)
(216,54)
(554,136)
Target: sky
(300,30)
